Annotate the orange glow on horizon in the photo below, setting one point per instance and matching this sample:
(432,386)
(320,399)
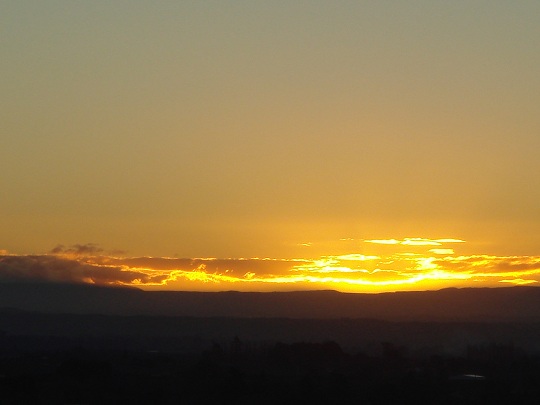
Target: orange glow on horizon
(420,267)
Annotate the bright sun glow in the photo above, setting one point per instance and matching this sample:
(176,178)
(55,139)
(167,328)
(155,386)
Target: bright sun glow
(390,269)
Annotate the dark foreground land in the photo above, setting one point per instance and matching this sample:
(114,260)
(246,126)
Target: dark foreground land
(80,344)
(106,359)
(450,304)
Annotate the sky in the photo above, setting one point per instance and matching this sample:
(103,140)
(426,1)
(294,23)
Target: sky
(362,146)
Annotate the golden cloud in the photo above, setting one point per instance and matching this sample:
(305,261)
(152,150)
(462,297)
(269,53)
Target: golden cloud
(414,241)
(361,272)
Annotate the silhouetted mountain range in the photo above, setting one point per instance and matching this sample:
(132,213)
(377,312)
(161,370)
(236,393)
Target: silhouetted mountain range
(58,342)
(468,304)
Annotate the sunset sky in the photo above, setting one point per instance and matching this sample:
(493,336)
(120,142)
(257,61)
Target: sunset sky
(362,146)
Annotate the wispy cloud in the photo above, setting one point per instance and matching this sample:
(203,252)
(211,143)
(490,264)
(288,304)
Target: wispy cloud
(438,267)
(414,241)
(357,257)
(77,249)
(384,241)
(519,281)
(48,268)
(438,251)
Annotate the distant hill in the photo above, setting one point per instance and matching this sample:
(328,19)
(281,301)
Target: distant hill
(468,304)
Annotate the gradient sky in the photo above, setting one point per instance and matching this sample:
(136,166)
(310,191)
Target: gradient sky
(295,131)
